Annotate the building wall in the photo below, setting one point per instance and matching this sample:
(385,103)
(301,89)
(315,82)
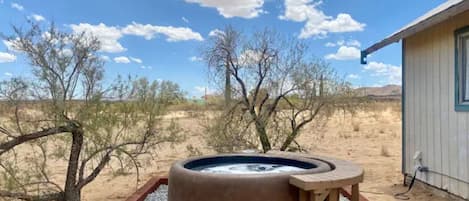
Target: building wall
(432,125)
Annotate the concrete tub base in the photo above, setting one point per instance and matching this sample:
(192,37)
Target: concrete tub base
(186,184)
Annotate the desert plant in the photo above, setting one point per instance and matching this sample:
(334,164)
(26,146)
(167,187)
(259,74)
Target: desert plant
(65,112)
(385,151)
(226,136)
(274,88)
(193,151)
(356,126)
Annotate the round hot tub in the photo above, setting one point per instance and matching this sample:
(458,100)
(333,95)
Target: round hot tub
(239,177)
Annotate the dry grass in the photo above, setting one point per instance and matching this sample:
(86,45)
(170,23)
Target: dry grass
(381,130)
(356,138)
(356,127)
(385,151)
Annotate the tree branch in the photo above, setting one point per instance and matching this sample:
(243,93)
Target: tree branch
(6,146)
(96,171)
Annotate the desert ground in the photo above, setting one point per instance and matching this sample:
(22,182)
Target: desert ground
(371,138)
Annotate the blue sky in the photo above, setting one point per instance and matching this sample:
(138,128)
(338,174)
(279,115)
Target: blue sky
(162,39)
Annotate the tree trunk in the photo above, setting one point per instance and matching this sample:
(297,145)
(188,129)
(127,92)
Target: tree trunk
(262,133)
(72,192)
(321,86)
(289,140)
(227,85)
(73,195)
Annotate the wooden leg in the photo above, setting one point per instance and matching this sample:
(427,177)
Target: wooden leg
(355,192)
(334,195)
(319,196)
(303,195)
(312,196)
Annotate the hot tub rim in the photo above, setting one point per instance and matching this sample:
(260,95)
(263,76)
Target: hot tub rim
(321,166)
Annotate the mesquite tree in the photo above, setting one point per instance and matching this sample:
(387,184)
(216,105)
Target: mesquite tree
(65,114)
(277,89)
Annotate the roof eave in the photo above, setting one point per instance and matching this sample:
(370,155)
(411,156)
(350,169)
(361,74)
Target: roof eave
(413,29)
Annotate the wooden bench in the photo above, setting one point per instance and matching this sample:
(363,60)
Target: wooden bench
(318,187)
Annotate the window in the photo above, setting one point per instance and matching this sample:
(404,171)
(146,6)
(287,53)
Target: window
(462,69)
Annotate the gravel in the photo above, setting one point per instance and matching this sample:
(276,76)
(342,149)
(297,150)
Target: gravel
(161,194)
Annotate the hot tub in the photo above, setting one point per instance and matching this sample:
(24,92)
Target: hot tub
(239,177)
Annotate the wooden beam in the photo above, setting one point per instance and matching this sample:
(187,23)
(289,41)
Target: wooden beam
(303,195)
(321,196)
(355,193)
(334,195)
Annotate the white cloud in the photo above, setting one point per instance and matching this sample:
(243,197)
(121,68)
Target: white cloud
(250,57)
(107,35)
(195,59)
(392,73)
(122,59)
(17,6)
(376,67)
(7,57)
(8,74)
(330,44)
(149,31)
(345,53)
(185,19)
(105,58)
(318,24)
(353,76)
(352,43)
(38,18)
(125,60)
(230,8)
(146,67)
(136,60)
(215,33)
(10,44)
(66,52)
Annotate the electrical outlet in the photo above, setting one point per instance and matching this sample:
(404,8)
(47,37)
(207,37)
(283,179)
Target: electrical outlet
(418,156)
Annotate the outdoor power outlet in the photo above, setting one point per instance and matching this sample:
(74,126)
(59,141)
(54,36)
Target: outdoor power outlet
(417,160)
(418,156)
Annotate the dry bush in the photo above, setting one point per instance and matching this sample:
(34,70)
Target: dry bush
(394,134)
(225,137)
(198,105)
(396,109)
(356,126)
(369,135)
(344,135)
(385,151)
(193,151)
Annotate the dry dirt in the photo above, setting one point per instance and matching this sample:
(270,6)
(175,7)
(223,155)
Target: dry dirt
(370,138)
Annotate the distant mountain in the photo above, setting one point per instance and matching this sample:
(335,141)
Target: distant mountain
(387,90)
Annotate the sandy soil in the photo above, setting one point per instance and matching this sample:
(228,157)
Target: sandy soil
(371,139)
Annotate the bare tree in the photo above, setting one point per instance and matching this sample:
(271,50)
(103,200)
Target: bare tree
(66,114)
(277,90)
(219,57)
